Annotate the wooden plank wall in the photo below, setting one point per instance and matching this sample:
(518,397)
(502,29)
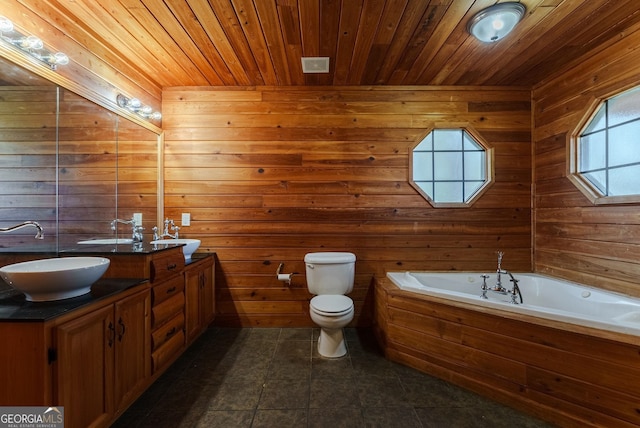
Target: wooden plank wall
(108,170)
(137,175)
(107,167)
(269,174)
(87,169)
(574,239)
(28,164)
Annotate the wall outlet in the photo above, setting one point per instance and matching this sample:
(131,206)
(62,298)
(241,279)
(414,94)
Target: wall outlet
(186,219)
(137,218)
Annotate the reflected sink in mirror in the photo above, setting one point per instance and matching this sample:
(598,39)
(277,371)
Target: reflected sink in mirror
(190,245)
(109,241)
(55,279)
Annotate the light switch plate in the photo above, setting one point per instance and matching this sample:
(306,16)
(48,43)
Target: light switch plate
(137,219)
(186,219)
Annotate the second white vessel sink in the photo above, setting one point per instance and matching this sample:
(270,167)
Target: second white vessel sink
(108,241)
(190,245)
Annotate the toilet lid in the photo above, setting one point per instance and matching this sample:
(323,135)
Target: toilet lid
(332,303)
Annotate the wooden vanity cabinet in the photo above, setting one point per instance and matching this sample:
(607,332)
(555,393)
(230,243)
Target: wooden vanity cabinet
(102,361)
(165,272)
(199,296)
(94,360)
(97,359)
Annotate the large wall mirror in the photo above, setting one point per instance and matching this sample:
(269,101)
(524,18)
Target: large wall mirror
(69,164)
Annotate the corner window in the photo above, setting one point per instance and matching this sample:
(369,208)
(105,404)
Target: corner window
(450,167)
(606,152)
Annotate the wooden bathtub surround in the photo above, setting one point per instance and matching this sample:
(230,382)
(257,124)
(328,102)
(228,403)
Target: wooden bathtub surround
(272,173)
(569,375)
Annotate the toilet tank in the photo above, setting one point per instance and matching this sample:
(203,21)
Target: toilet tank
(330,272)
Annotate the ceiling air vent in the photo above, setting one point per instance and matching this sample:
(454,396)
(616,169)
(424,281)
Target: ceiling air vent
(315,64)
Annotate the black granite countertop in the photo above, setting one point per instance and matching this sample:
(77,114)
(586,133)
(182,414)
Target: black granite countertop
(137,248)
(14,306)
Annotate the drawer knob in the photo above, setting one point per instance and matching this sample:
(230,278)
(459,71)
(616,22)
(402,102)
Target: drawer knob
(170,333)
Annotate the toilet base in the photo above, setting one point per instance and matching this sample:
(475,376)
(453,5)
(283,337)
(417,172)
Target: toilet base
(331,343)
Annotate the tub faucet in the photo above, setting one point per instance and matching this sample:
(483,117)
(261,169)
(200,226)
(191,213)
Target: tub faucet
(136,231)
(39,230)
(484,286)
(499,288)
(515,291)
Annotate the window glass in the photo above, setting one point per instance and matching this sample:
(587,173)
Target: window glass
(624,107)
(474,166)
(609,147)
(447,139)
(624,144)
(449,166)
(446,191)
(425,160)
(593,152)
(598,121)
(624,181)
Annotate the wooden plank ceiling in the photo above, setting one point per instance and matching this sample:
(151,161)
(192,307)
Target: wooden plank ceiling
(168,43)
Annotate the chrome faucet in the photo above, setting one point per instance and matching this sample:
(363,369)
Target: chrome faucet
(39,230)
(136,230)
(499,288)
(167,223)
(515,291)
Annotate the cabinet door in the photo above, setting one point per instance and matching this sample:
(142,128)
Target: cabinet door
(133,347)
(193,281)
(84,369)
(208,295)
(200,297)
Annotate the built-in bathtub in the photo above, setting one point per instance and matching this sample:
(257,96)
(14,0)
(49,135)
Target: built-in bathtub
(569,353)
(542,296)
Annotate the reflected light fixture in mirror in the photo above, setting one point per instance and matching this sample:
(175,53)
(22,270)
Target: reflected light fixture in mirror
(495,22)
(30,45)
(135,106)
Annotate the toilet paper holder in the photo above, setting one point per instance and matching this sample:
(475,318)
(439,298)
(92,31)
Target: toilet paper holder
(286,277)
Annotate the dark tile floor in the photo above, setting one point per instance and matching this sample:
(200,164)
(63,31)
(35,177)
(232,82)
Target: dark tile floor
(275,378)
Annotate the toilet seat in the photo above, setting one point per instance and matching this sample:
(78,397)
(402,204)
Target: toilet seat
(331,305)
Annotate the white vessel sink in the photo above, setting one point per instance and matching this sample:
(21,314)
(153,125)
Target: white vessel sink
(108,241)
(55,279)
(190,245)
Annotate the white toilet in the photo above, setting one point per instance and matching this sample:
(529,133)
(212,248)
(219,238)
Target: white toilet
(330,276)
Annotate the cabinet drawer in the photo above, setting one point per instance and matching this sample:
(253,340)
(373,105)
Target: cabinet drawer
(167,289)
(164,266)
(167,309)
(167,331)
(168,351)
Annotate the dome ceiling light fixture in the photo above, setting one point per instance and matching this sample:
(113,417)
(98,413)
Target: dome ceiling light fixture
(495,22)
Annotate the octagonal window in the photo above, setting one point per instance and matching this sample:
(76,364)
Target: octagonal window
(606,153)
(450,167)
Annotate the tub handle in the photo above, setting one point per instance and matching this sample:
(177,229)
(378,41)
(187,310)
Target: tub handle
(484,286)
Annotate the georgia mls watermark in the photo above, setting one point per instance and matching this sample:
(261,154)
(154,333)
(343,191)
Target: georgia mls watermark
(31,417)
